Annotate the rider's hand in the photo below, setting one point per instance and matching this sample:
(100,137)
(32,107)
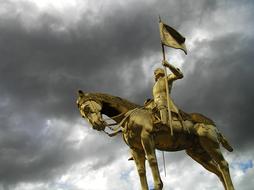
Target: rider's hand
(165,63)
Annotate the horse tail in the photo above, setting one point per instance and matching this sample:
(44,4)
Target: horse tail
(224,142)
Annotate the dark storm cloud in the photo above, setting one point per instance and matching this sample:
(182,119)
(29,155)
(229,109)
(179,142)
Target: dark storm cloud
(43,66)
(221,85)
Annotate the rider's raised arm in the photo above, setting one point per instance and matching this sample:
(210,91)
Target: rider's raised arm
(177,74)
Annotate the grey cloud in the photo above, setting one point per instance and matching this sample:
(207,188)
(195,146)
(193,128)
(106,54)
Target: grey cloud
(221,85)
(60,63)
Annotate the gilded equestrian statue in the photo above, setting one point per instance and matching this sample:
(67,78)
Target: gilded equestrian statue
(142,132)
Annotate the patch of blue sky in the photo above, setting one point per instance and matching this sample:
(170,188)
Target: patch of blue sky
(242,165)
(64,186)
(125,175)
(150,185)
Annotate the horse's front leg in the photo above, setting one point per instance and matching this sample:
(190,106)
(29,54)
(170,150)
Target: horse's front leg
(148,145)
(139,158)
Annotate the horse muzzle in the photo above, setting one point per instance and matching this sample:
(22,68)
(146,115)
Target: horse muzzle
(99,125)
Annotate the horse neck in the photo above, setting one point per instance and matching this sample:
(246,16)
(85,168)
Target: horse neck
(114,111)
(115,107)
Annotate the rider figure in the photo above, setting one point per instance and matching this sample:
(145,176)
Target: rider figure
(159,91)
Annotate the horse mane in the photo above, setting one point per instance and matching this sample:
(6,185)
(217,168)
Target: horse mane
(109,101)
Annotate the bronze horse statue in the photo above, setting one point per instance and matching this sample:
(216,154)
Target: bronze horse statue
(143,134)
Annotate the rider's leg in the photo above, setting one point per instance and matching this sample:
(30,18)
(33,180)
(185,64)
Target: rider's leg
(164,115)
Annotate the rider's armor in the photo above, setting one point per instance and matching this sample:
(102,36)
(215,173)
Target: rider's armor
(160,95)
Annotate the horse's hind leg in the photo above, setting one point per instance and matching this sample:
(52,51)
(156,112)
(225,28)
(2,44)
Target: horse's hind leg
(139,158)
(223,166)
(208,140)
(149,148)
(203,158)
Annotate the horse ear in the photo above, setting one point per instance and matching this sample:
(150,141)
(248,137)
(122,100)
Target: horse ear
(80,93)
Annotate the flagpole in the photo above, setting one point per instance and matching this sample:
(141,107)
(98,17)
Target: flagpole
(167,91)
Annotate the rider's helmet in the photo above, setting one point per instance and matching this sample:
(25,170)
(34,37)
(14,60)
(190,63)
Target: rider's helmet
(159,71)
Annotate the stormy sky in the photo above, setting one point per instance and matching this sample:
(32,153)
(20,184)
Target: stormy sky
(51,48)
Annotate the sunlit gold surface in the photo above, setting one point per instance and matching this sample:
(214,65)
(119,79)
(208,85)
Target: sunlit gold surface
(160,92)
(143,134)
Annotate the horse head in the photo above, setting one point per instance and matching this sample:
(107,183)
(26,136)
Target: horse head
(90,109)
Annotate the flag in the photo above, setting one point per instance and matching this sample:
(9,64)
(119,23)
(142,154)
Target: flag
(171,38)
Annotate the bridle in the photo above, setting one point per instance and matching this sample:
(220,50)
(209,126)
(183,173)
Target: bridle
(95,108)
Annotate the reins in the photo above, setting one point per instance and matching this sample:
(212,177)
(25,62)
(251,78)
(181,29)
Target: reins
(116,130)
